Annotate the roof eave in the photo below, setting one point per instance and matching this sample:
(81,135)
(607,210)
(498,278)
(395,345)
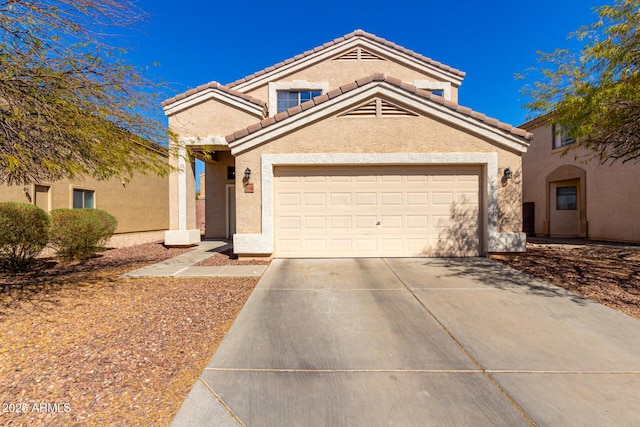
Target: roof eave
(335,101)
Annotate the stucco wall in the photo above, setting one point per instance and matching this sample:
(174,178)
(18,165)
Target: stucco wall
(210,117)
(216,200)
(338,73)
(139,205)
(376,135)
(612,192)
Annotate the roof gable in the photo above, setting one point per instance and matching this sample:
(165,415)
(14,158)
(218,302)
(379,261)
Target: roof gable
(358,44)
(214,90)
(399,96)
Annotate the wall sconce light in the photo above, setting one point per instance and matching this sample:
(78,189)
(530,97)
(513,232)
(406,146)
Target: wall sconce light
(26,190)
(248,186)
(508,174)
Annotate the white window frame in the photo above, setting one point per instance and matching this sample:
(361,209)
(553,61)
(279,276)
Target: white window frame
(445,87)
(295,85)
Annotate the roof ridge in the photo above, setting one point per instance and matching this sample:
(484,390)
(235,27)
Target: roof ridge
(217,86)
(378,77)
(356,33)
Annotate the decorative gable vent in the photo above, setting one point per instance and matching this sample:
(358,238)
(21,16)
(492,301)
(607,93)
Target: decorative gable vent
(368,56)
(359,54)
(378,108)
(389,109)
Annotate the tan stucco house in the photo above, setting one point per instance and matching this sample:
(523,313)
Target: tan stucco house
(567,195)
(139,205)
(356,148)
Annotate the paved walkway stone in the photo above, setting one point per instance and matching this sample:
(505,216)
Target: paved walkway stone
(183,265)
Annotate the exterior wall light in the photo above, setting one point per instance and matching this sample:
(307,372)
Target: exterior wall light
(248,186)
(508,174)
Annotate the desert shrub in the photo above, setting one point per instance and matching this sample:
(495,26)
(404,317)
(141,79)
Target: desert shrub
(78,233)
(23,233)
(108,224)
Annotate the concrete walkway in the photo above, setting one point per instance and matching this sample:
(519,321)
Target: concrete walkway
(183,265)
(418,342)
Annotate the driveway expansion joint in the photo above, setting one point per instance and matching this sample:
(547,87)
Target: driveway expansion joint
(466,352)
(222,403)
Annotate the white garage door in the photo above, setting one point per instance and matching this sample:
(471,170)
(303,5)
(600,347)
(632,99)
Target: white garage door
(394,211)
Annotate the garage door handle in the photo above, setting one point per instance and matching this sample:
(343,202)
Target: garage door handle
(378,223)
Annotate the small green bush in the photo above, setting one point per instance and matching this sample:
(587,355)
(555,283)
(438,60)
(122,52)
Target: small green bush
(77,234)
(23,234)
(108,224)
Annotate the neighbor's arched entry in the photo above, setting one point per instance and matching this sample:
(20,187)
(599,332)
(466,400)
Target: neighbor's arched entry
(566,202)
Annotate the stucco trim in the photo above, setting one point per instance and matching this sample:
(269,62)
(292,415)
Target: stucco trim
(567,173)
(263,243)
(211,93)
(283,69)
(361,94)
(431,85)
(274,87)
(205,141)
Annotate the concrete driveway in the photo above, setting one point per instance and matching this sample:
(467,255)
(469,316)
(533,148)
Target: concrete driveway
(418,342)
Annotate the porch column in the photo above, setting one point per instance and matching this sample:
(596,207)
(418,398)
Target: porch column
(182,217)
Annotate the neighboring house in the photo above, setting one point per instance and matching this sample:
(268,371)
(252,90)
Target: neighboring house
(567,195)
(142,204)
(356,148)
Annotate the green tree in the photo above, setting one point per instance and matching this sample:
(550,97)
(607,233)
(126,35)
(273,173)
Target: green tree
(594,95)
(69,104)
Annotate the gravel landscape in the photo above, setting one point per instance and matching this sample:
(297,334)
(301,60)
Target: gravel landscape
(101,350)
(106,351)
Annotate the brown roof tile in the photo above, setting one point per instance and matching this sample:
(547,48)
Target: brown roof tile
(348,87)
(254,127)
(368,80)
(365,80)
(307,104)
(333,93)
(356,33)
(267,122)
(281,116)
(216,86)
(240,133)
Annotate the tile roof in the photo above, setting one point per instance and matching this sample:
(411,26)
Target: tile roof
(377,77)
(356,33)
(216,86)
(537,121)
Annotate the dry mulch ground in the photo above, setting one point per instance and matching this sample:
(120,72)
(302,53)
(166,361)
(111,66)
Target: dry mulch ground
(228,258)
(609,275)
(100,350)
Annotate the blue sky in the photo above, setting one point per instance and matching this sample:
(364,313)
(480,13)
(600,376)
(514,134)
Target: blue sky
(197,41)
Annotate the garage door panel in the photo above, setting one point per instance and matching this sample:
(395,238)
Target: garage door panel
(315,222)
(341,222)
(366,199)
(289,222)
(365,222)
(341,245)
(314,199)
(391,199)
(340,199)
(417,199)
(391,222)
(366,246)
(376,211)
(289,199)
